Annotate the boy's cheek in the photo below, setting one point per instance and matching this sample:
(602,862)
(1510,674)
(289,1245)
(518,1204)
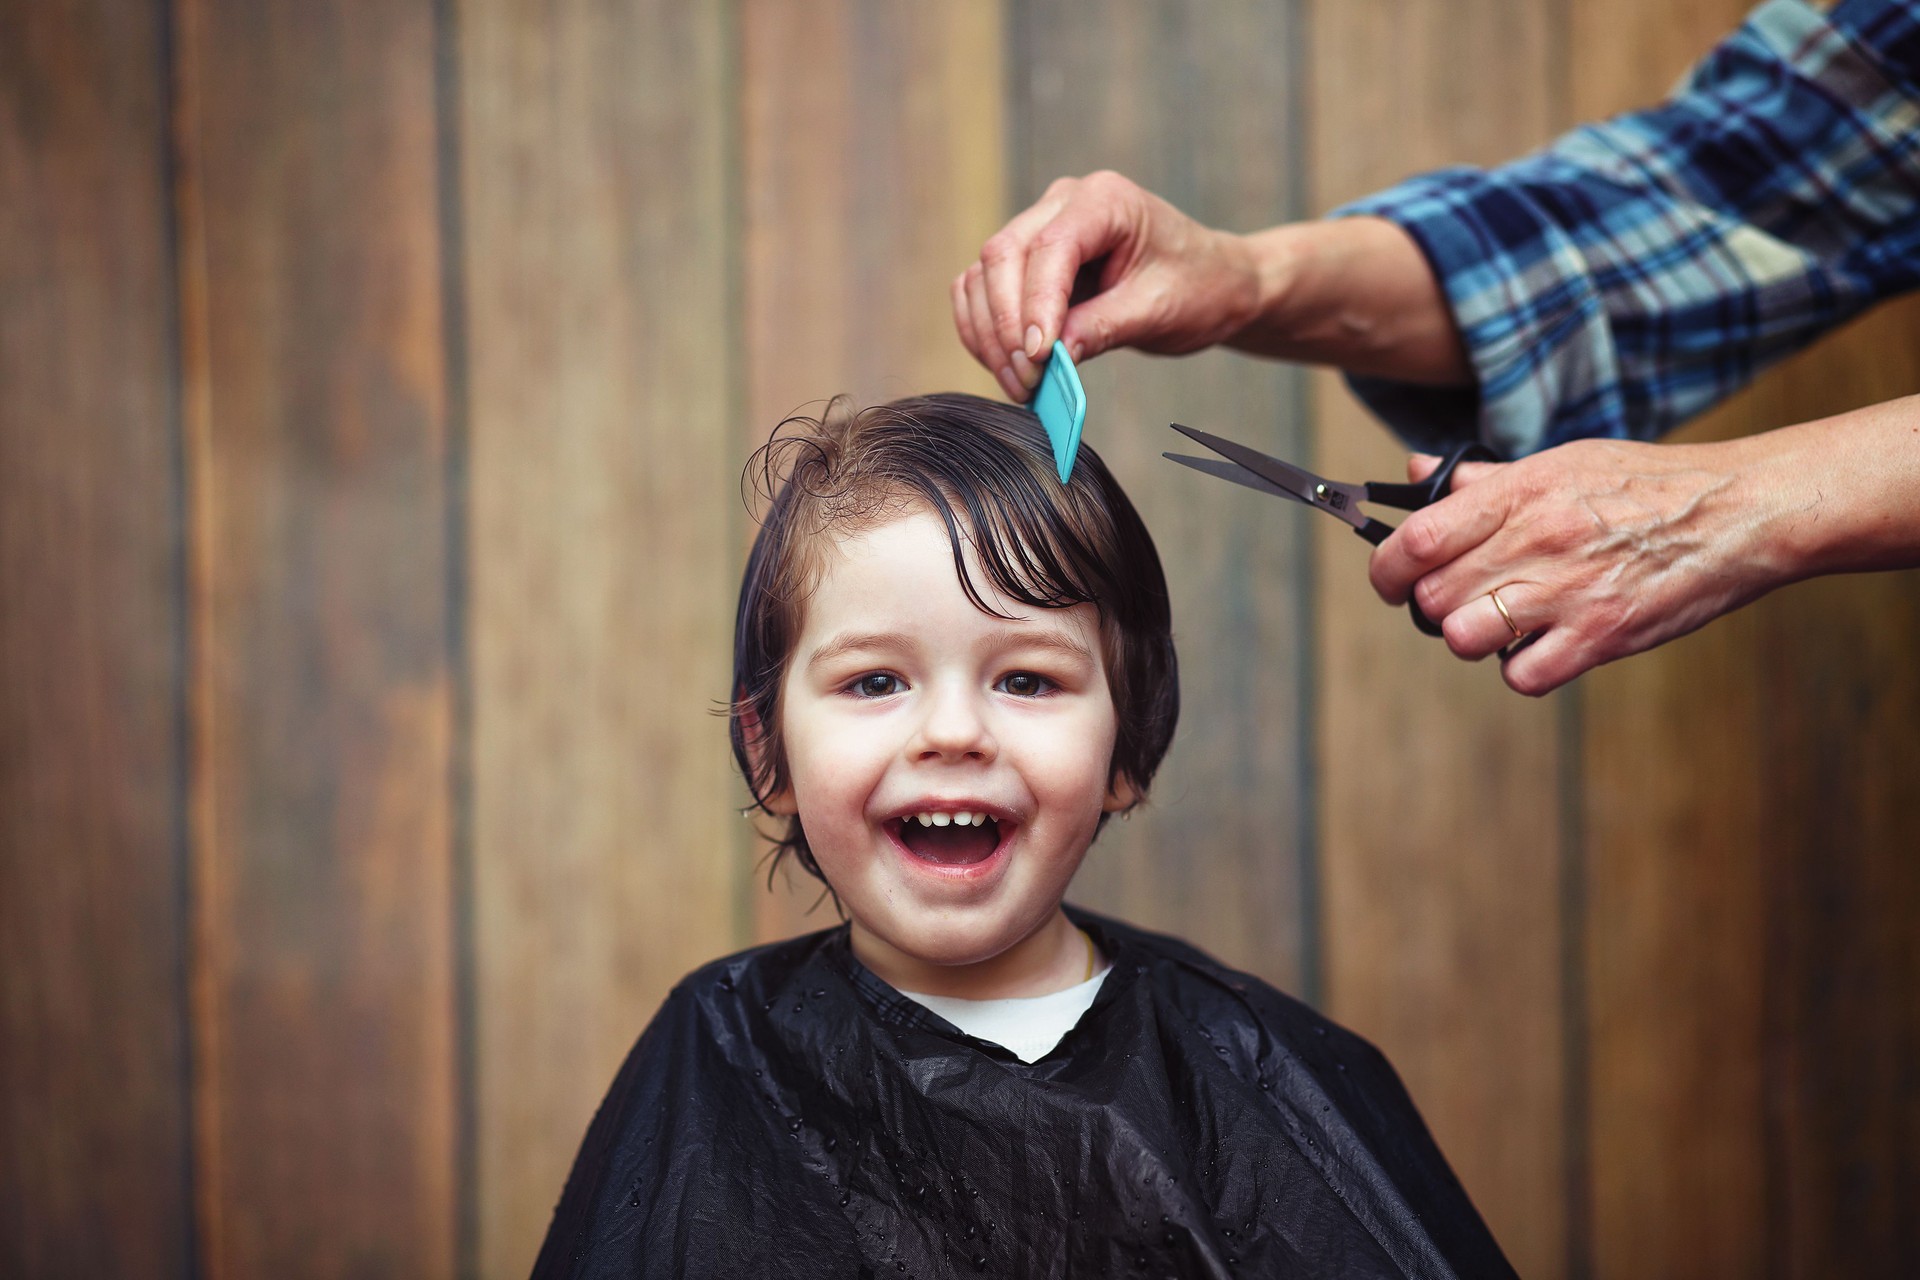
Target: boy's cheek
(831,785)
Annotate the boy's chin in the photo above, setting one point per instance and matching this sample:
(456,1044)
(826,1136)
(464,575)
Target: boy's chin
(945,945)
(954,945)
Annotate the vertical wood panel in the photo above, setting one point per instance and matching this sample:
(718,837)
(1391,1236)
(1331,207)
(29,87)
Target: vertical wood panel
(93,1133)
(1753,889)
(1195,102)
(315,383)
(1749,881)
(872,173)
(604,460)
(1674,836)
(1441,845)
(1839,754)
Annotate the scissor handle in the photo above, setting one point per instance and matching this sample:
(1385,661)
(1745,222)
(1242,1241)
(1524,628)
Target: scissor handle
(1412,497)
(1376,531)
(1440,483)
(1427,625)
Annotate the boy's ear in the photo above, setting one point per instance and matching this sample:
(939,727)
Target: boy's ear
(1121,795)
(780,804)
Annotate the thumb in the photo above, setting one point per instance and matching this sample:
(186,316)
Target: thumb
(1421,465)
(1107,320)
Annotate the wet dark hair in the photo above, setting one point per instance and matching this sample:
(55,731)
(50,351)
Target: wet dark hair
(987,470)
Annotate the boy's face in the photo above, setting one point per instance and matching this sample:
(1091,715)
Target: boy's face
(902,699)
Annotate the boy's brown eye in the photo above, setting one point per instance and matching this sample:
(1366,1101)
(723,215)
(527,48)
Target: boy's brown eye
(877,686)
(1024,684)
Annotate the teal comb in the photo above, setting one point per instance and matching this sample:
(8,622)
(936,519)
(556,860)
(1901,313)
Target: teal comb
(1062,405)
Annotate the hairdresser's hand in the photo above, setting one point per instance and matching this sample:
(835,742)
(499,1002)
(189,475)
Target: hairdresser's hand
(1599,549)
(1165,283)
(1100,263)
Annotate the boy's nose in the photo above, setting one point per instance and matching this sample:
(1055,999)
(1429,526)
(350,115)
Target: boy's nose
(953,728)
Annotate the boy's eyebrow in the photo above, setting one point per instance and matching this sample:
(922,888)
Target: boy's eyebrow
(862,641)
(856,642)
(1054,641)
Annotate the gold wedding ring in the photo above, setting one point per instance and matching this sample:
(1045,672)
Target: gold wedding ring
(1504,615)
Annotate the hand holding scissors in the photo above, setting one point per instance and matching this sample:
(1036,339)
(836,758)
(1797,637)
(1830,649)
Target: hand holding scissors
(1256,470)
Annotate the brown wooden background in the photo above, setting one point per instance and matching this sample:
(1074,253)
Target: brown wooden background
(374,378)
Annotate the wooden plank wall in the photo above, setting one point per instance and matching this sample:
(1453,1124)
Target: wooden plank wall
(1748,902)
(93,1049)
(1441,836)
(316,434)
(600,520)
(374,380)
(1674,938)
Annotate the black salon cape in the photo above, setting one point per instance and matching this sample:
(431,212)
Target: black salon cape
(788,1114)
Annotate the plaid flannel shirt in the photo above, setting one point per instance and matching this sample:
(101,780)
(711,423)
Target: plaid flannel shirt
(1635,272)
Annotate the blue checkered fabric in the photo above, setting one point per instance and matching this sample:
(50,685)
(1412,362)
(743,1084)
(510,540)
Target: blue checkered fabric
(1635,272)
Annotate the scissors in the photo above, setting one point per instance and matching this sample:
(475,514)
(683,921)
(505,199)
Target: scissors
(1270,475)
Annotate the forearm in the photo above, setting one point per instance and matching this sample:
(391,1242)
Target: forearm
(1354,293)
(1838,495)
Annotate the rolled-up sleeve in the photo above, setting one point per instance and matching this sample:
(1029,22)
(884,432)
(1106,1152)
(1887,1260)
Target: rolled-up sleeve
(1636,272)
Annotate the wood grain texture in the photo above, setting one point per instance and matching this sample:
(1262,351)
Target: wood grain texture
(1673,836)
(1839,753)
(233,651)
(1196,104)
(603,464)
(871,170)
(315,380)
(1674,933)
(93,1114)
(1441,845)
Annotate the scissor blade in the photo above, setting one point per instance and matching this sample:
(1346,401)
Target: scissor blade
(1232,471)
(1335,499)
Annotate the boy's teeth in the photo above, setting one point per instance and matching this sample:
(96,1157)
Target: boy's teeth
(932,819)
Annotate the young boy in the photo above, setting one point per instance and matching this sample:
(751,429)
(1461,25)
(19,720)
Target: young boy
(950,670)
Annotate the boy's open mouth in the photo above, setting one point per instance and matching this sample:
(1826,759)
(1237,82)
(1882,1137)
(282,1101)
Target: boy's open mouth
(948,839)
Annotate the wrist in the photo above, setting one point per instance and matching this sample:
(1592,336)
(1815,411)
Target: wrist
(1295,295)
(1273,260)
(1356,293)
(1769,538)
(1839,493)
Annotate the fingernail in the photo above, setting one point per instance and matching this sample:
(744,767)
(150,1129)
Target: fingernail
(1074,351)
(1011,385)
(1026,370)
(1034,337)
